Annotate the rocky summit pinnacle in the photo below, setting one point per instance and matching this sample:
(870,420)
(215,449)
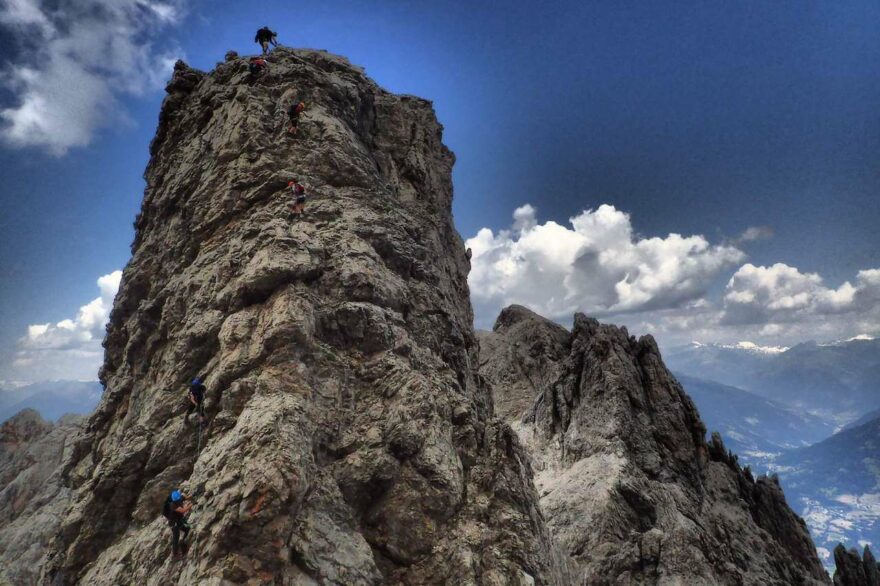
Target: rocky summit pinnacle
(349,439)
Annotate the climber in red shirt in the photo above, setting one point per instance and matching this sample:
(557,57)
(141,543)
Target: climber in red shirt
(296,108)
(299,198)
(257,67)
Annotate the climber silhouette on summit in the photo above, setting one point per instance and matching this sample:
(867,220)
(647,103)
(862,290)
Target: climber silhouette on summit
(177,506)
(265,36)
(196,400)
(299,198)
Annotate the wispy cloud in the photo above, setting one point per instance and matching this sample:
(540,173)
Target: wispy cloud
(753,233)
(73,61)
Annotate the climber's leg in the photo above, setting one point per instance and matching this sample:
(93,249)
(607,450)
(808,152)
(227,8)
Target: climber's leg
(175,540)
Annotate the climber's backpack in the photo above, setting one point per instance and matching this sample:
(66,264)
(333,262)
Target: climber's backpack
(167,511)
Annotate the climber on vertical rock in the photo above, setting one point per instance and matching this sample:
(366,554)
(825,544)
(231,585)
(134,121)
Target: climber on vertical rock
(293,112)
(257,67)
(196,398)
(177,506)
(265,36)
(299,198)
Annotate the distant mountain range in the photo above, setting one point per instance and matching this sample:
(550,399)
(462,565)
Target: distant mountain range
(838,381)
(755,428)
(866,418)
(770,403)
(51,399)
(835,485)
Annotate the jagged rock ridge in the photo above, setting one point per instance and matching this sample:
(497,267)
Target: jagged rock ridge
(853,570)
(628,484)
(351,441)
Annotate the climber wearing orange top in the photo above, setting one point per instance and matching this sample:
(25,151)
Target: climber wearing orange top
(299,198)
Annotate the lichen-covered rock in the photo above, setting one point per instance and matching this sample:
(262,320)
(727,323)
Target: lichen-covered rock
(350,440)
(628,484)
(32,498)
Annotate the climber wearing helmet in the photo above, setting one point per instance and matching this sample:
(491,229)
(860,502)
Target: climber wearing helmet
(299,198)
(196,400)
(265,36)
(177,506)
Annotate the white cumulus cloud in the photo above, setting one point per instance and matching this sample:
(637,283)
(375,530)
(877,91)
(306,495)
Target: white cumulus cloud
(596,265)
(70,348)
(782,294)
(679,288)
(772,306)
(73,59)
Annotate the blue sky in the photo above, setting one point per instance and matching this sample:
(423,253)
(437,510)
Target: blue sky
(751,129)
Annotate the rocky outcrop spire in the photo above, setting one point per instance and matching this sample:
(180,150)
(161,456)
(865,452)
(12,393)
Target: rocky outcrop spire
(853,570)
(628,484)
(350,440)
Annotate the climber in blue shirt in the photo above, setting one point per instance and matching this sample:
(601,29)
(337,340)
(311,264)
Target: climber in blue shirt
(196,400)
(177,506)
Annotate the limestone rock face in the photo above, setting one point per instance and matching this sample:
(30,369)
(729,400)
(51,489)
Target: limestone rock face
(628,484)
(350,439)
(32,498)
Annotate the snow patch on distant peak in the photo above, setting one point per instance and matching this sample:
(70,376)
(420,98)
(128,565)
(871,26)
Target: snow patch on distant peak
(859,338)
(744,345)
(752,347)
(12,384)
